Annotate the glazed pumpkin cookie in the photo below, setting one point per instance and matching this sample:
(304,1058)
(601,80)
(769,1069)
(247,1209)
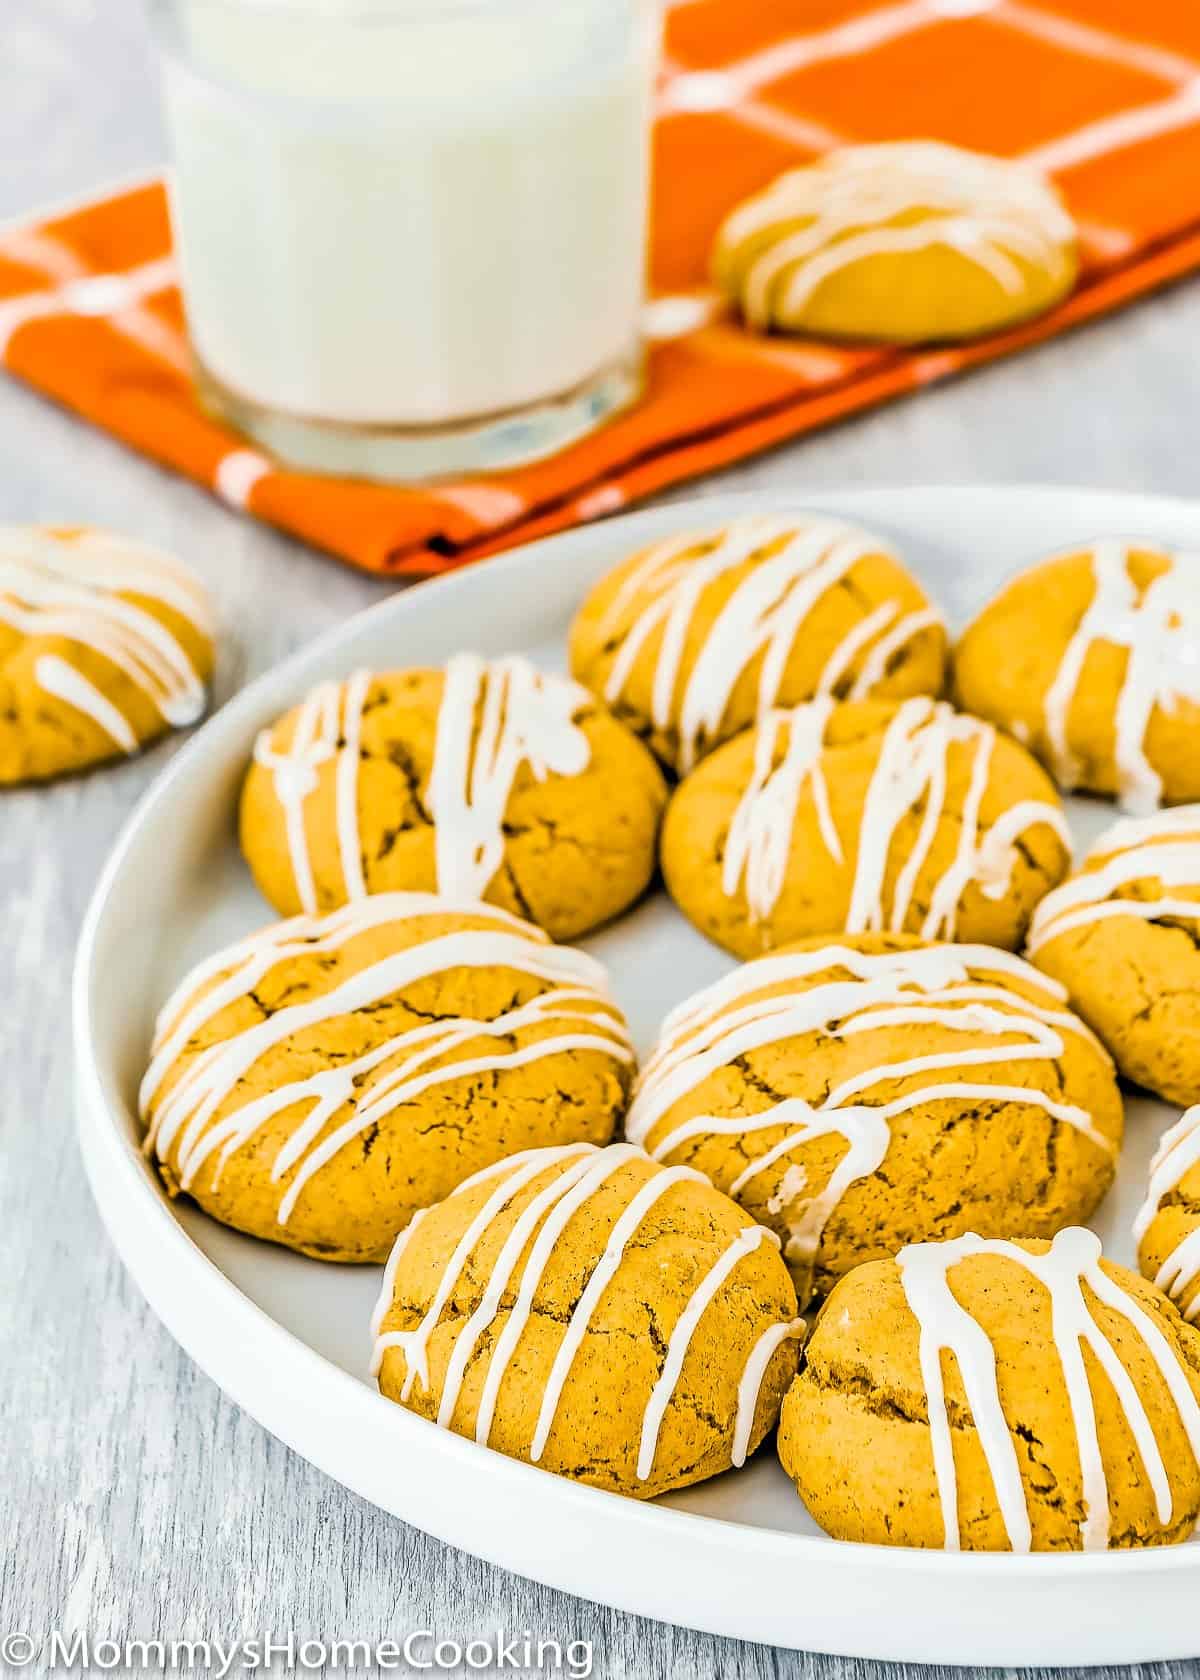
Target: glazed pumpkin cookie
(902,243)
(864,816)
(861,1094)
(487,780)
(694,638)
(105,644)
(1167,1230)
(612,1320)
(1122,936)
(318,1083)
(997,1396)
(1090,658)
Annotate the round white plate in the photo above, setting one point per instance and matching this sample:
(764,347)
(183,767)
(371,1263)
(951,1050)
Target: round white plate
(287,1337)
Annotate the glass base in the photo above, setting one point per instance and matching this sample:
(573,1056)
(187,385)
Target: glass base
(402,454)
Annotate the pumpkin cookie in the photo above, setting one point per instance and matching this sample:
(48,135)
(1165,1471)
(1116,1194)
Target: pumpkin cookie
(694,638)
(861,1094)
(487,780)
(1091,658)
(1122,935)
(864,816)
(318,1083)
(1167,1230)
(998,1396)
(105,644)
(612,1320)
(901,243)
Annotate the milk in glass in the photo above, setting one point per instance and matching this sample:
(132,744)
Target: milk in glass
(424,217)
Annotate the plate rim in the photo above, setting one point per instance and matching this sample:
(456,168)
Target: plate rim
(111,1159)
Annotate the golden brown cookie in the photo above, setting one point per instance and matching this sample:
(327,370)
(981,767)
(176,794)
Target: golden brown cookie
(864,816)
(998,1396)
(318,1083)
(694,638)
(859,1094)
(1167,1230)
(1121,935)
(105,644)
(1090,658)
(589,1311)
(487,780)
(904,243)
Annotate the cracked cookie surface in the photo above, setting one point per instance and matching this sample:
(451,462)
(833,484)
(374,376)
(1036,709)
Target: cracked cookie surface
(320,1082)
(955,1395)
(1089,658)
(859,1094)
(105,644)
(692,639)
(860,816)
(1123,936)
(486,780)
(611,1320)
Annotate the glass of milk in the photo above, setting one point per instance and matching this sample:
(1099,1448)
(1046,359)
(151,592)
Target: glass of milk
(411,232)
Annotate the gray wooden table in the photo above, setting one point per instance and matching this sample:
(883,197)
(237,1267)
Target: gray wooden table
(135,1500)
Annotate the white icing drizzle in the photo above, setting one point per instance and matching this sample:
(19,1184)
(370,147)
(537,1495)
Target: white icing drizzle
(867,630)
(1163,848)
(939,966)
(760,830)
(375,1083)
(1161,633)
(67,682)
(328,726)
(988,210)
(682,1335)
(1176,1155)
(624,1229)
(912,771)
(582,1171)
(874,666)
(764,615)
(924,986)
(523,1169)
(867,1136)
(750,1386)
(1071,1263)
(388,1287)
(495,716)
(611,1161)
(244,964)
(1175,823)
(74,586)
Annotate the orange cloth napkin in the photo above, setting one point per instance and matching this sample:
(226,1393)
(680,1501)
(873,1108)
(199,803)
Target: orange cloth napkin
(1103,94)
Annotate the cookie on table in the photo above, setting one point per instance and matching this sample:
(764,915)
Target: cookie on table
(105,644)
(1167,1229)
(1090,658)
(594,1313)
(857,1094)
(997,1396)
(692,639)
(1121,936)
(321,1081)
(905,243)
(487,780)
(864,816)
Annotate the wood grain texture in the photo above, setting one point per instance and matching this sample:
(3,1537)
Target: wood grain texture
(137,1501)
